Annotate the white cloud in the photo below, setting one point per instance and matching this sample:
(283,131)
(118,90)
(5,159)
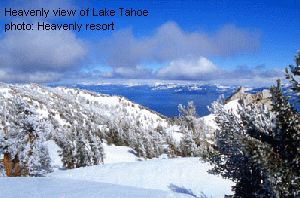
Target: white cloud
(51,55)
(130,73)
(188,69)
(170,42)
(36,52)
(28,77)
(40,50)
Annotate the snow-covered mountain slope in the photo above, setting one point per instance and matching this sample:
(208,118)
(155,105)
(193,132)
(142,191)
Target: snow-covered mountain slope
(113,154)
(77,122)
(182,176)
(65,107)
(46,100)
(122,175)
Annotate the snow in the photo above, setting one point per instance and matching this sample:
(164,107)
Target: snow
(114,102)
(195,88)
(209,120)
(117,154)
(223,87)
(5,92)
(175,176)
(43,112)
(53,149)
(232,105)
(61,121)
(66,188)
(173,131)
(104,100)
(168,177)
(162,86)
(122,175)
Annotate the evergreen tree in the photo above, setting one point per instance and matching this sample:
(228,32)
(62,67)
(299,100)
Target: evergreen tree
(231,159)
(287,142)
(258,147)
(292,73)
(24,141)
(187,144)
(187,115)
(38,161)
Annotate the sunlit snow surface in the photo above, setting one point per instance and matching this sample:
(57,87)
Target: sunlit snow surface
(175,176)
(29,187)
(122,175)
(181,177)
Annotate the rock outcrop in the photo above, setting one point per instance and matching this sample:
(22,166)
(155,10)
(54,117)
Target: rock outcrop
(262,97)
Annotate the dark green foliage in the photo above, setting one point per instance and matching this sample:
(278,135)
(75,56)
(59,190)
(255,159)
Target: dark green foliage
(232,159)
(259,145)
(291,74)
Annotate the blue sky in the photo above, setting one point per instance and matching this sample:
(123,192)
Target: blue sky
(226,42)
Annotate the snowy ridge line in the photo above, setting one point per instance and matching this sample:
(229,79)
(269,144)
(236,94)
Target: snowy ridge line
(63,91)
(122,97)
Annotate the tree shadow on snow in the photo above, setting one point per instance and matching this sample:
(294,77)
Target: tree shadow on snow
(183,190)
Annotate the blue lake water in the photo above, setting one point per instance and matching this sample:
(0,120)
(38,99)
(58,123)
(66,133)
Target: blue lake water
(164,101)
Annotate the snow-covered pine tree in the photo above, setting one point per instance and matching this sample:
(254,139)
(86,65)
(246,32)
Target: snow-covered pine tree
(292,73)
(194,142)
(259,148)
(95,144)
(187,115)
(231,158)
(275,143)
(26,135)
(173,149)
(157,143)
(65,139)
(81,148)
(187,144)
(38,162)
(286,142)
(138,145)
(259,124)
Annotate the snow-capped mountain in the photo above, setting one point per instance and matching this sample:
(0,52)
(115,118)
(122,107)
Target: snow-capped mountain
(78,121)
(46,100)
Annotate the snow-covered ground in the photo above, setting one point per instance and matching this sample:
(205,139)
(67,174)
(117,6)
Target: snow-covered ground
(122,175)
(118,154)
(182,177)
(29,187)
